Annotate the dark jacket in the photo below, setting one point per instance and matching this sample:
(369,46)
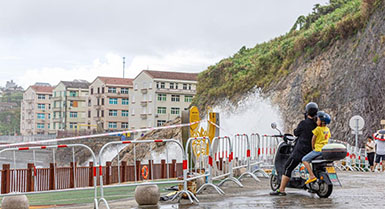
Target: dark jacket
(305,135)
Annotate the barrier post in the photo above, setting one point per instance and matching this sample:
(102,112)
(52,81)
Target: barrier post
(108,173)
(91,174)
(30,175)
(5,179)
(248,172)
(138,174)
(123,171)
(72,175)
(52,176)
(163,169)
(173,169)
(255,143)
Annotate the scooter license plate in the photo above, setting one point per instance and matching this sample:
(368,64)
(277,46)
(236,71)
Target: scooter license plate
(330,169)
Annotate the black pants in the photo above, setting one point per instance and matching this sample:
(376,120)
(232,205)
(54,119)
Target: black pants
(290,164)
(371,158)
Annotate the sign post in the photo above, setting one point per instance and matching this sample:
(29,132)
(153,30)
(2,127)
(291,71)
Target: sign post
(356,123)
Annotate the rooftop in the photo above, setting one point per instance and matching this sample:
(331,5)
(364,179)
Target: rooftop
(172,75)
(117,81)
(76,84)
(42,89)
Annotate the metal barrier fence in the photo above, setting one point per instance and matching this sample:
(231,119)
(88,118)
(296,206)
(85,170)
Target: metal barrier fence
(242,154)
(17,186)
(220,164)
(149,170)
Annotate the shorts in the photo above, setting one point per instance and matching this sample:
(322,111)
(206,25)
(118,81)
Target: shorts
(290,165)
(371,158)
(311,155)
(379,158)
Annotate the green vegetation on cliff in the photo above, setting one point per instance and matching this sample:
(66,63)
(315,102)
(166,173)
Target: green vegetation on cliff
(10,118)
(268,62)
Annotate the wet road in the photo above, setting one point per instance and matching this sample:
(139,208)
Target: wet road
(359,190)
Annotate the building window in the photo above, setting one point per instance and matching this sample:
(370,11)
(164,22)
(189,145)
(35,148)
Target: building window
(133,111)
(112,124)
(176,85)
(49,116)
(74,104)
(172,86)
(102,113)
(162,97)
(113,101)
(161,110)
(188,98)
(98,90)
(162,85)
(41,106)
(89,102)
(89,113)
(175,110)
(157,85)
(124,101)
(125,113)
(41,116)
(40,125)
(40,96)
(73,114)
(102,90)
(160,122)
(113,113)
(175,98)
(111,90)
(73,93)
(189,87)
(92,91)
(124,125)
(185,86)
(102,101)
(73,125)
(124,90)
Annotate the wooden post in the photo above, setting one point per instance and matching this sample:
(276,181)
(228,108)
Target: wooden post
(108,172)
(5,179)
(72,174)
(91,174)
(138,173)
(163,169)
(123,171)
(173,168)
(220,163)
(30,177)
(52,176)
(149,169)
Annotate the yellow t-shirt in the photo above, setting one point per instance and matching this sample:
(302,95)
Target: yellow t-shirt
(323,134)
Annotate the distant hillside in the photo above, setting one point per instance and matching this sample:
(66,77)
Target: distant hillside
(334,56)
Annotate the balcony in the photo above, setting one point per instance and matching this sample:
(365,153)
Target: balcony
(56,109)
(143,115)
(77,98)
(57,98)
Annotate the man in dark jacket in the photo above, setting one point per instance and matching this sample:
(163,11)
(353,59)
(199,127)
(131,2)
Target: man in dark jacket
(302,146)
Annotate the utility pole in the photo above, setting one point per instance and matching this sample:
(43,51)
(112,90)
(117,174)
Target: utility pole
(124,63)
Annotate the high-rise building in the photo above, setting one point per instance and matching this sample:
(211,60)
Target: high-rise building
(36,110)
(69,106)
(158,97)
(108,104)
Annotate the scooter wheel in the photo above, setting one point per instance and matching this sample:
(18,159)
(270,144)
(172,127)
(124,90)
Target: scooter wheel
(325,190)
(274,182)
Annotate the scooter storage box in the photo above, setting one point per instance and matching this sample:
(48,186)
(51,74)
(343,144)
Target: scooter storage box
(334,151)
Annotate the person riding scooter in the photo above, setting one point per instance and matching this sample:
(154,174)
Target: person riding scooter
(321,136)
(302,146)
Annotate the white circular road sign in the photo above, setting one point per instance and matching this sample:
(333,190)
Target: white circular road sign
(356,122)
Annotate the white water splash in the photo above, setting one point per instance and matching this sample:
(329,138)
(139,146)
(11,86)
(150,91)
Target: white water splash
(253,114)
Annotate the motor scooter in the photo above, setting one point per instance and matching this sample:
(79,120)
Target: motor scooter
(323,168)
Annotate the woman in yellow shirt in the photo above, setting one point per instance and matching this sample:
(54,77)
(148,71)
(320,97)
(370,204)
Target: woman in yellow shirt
(321,136)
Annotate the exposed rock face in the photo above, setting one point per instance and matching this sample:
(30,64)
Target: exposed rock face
(345,80)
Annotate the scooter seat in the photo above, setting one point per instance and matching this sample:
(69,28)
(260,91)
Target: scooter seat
(318,159)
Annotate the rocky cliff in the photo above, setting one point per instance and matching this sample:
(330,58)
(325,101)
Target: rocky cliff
(344,75)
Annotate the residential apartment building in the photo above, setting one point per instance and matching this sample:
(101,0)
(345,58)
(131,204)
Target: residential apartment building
(158,97)
(108,103)
(69,106)
(36,110)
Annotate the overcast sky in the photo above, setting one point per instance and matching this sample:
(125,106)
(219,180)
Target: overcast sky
(52,40)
